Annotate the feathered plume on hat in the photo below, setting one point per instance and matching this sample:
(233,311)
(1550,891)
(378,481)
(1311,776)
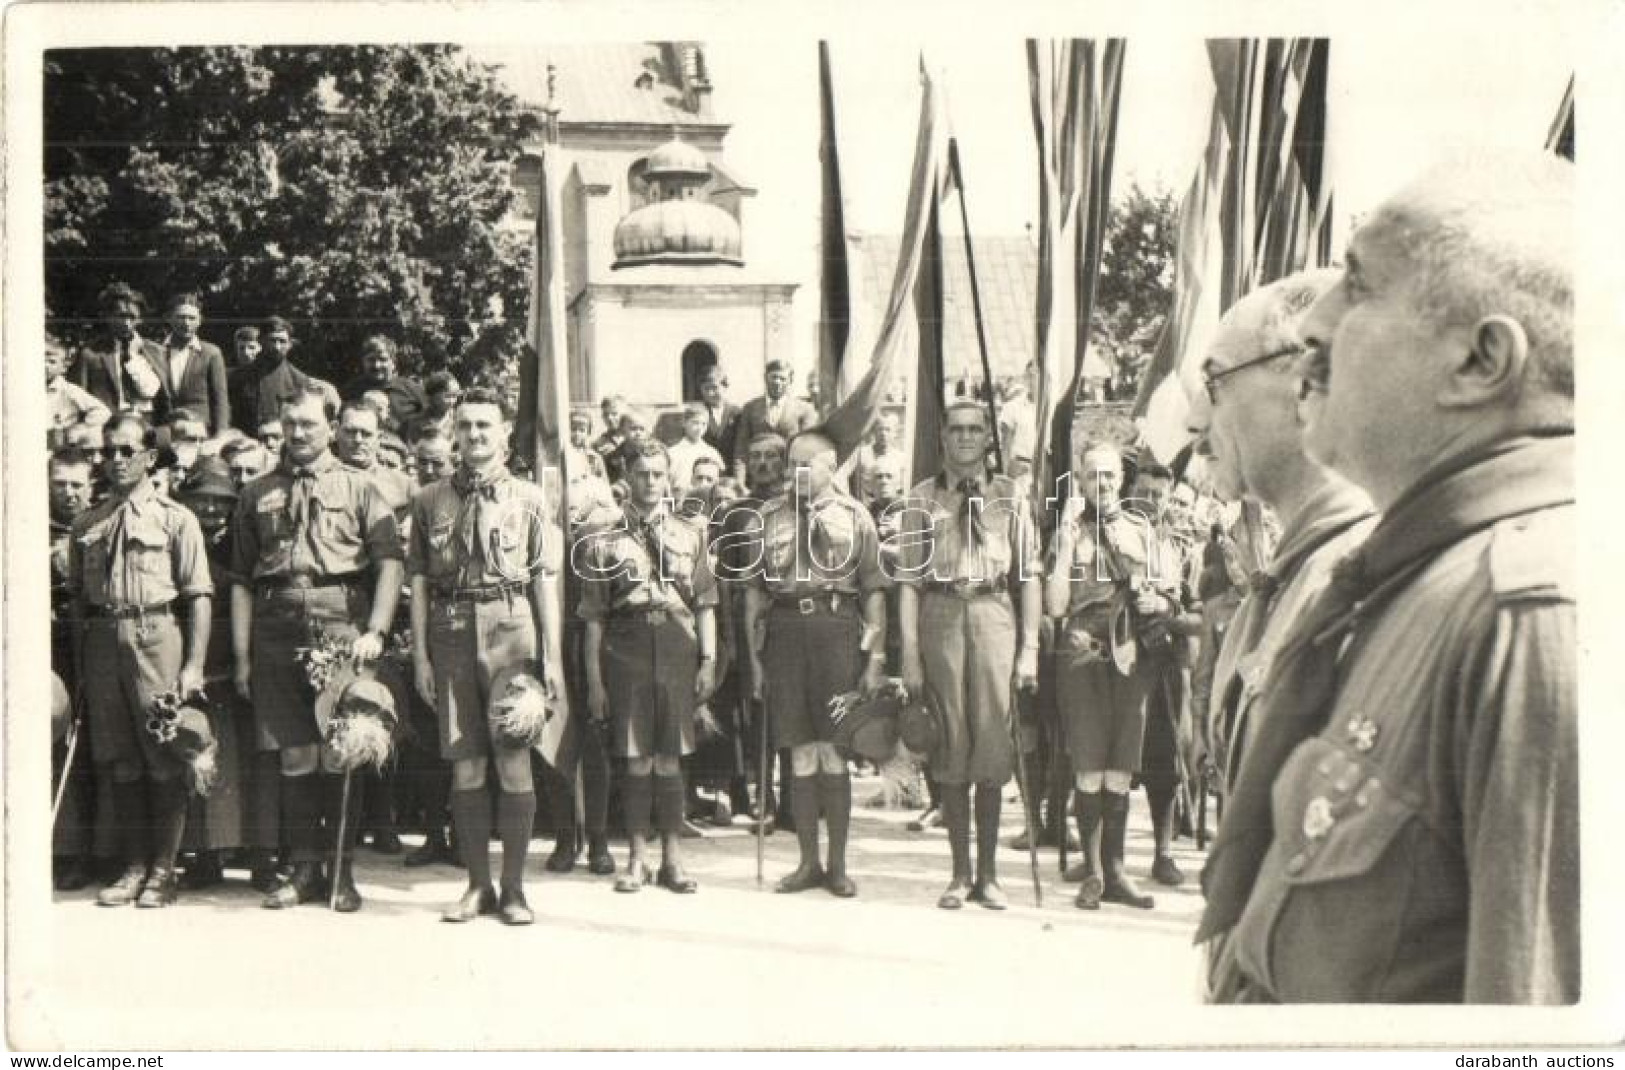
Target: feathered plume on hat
(361,731)
(520,709)
(183,732)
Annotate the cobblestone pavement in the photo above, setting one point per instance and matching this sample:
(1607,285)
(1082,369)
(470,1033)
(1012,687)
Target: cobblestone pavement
(733,966)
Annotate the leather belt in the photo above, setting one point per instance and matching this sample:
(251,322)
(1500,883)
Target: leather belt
(807,605)
(128,612)
(304,582)
(489,592)
(965,588)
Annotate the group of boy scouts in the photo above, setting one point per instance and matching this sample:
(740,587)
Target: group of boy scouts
(1385,679)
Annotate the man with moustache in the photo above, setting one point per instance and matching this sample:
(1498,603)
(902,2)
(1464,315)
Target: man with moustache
(1404,824)
(315,552)
(130,560)
(482,557)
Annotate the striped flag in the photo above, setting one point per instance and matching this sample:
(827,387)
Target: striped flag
(834,274)
(1075,86)
(1259,207)
(913,316)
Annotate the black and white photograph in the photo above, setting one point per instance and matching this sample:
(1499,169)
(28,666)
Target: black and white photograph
(956,526)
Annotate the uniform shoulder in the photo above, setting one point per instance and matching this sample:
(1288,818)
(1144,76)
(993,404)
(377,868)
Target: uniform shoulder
(91,516)
(1531,557)
(925,488)
(1002,486)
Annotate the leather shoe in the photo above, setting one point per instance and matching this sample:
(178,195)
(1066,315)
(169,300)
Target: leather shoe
(305,885)
(673,878)
(1076,873)
(990,895)
(475,901)
(930,818)
(262,876)
(633,880)
(722,813)
(70,876)
(1119,889)
(124,890)
(1089,893)
(840,886)
(160,889)
(955,895)
(1166,871)
(434,849)
(204,872)
(348,898)
(387,843)
(599,861)
(802,878)
(512,908)
(565,853)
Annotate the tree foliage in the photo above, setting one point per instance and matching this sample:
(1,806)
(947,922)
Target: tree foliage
(1136,289)
(352,189)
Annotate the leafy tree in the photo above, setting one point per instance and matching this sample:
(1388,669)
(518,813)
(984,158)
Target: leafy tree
(1136,288)
(352,189)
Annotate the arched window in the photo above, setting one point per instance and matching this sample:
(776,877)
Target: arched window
(697,357)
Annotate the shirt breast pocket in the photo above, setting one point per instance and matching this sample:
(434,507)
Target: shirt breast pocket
(1349,882)
(333,520)
(439,537)
(146,544)
(273,525)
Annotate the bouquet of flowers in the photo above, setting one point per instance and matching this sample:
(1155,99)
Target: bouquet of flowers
(323,659)
(183,732)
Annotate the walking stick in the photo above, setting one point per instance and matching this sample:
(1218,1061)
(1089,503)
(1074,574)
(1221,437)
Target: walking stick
(338,847)
(67,767)
(1179,759)
(1026,810)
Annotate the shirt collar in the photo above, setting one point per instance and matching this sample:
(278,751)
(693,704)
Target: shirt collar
(320,466)
(491,474)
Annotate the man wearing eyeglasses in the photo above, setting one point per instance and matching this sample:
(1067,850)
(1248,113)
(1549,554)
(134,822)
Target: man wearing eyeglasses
(130,560)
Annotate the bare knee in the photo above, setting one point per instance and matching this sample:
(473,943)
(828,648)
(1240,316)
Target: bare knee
(830,761)
(639,766)
(513,771)
(300,761)
(667,765)
(804,760)
(468,774)
(1117,781)
(1090,782)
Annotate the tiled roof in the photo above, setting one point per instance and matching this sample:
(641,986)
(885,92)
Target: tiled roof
(597,83)
(1007,271)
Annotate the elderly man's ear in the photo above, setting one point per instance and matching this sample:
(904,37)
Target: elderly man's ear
(1491,370)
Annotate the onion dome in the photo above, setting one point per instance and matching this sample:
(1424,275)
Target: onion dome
(678,226)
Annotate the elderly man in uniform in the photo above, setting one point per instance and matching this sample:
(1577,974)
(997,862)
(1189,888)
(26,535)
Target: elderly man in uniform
(1107,584)
(970,607)
(307,538)
(649,598)
(482,554)
(820,596)
(130,559)
(1404,826)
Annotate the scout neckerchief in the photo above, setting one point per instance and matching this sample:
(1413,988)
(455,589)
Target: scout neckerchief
(1463,496)
(304,484)
(475,489)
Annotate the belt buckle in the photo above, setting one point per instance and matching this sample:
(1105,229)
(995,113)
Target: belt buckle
(807,607)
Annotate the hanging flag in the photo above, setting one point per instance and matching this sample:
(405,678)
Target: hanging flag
(1560,138)
(914,308)
(834,274)
(1258,208)
(1075,86)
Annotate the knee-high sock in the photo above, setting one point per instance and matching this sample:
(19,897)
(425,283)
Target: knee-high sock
(933,792)
(302,817)
(168,799)
(671,801)
(516,819)
(1115,829)
(804,805)
(561,805)
(133,821)
(635,792)
(989,801)
(1160,795)
(1090,815)
(956,819)
(265,819)
(471,817)
(595,785)
(835,799)
(787,780)
(335,808)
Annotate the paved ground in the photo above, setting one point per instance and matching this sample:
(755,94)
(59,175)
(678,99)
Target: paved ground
(733,966)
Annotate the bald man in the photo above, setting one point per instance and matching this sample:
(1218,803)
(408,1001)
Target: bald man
(1404,827)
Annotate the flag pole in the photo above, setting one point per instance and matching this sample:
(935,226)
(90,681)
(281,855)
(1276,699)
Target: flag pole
(958,179)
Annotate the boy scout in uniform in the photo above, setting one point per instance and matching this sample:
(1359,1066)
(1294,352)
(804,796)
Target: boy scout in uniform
(820,558)
(1106,583)
(649,598)
(130,558)
(303,539)
(481,556)
(970,558)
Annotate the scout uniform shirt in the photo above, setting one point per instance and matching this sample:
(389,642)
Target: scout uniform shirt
(1108,554)
(140,552)
(472,532)
(827,546)
(658,562)
(320,520)
(947,541)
